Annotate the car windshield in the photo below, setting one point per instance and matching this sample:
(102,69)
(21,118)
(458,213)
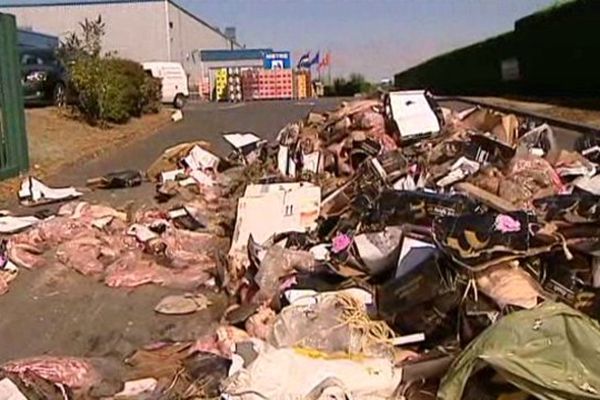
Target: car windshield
(30,57)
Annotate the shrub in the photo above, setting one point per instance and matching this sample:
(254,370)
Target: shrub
(151,95)
(349,87)
(124,89)
(86,82)
(114,89)
(108,89)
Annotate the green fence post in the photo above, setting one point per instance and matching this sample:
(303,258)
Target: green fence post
(14,154)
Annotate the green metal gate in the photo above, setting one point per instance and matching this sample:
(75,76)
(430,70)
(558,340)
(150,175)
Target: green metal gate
(14,155)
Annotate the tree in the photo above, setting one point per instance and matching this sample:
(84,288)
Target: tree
(356,83)
(87,44)
(108,89)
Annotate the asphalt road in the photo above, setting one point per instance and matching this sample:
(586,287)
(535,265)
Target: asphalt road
(202,121)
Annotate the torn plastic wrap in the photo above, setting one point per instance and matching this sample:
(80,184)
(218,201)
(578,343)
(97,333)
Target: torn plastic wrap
(334,323)
(298,374)
(277,264)
(544,351)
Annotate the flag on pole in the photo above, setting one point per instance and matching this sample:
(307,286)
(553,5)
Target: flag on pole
(304,61)
(315,60)
(326,61)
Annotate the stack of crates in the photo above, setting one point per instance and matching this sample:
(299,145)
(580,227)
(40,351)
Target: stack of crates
(234,87)
(205,90)
(221,85)
(275,84)
(250,84)
(302,85)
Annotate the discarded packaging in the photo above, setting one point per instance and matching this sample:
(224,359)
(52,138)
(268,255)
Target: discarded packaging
(266,210)
(33,192)
(293,373)
(367,252)
(117,180)
(413,115)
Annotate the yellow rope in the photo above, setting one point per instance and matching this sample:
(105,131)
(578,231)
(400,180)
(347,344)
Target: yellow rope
(354,315)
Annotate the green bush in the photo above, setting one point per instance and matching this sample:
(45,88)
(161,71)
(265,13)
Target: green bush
(108,89)
(87,76)
(151,95)
(349,87)
(113,89)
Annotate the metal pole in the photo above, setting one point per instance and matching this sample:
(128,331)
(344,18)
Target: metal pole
(168,27)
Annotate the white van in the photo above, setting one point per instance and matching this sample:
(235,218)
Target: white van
(174,81)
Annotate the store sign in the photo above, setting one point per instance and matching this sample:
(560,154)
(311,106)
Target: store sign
(277,60)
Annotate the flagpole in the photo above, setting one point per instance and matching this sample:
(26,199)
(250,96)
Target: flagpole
(319,65)
(329,67)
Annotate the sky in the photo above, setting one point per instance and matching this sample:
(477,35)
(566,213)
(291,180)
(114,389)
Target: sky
(374,37)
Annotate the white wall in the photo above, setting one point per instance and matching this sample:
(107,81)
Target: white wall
(188,36)
(134,30)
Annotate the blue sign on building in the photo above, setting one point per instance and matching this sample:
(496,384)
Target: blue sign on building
(278,60)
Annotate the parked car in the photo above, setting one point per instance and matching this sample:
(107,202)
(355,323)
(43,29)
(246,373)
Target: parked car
(174,81)
(44,78)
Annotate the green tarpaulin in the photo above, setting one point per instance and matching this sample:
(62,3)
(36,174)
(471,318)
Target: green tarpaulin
(551,351)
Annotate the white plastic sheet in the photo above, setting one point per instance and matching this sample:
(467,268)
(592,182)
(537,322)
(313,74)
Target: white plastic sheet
(289,374)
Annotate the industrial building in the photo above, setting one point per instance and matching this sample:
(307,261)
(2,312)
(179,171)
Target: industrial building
(142,30)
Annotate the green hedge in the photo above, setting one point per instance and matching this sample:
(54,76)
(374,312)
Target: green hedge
(558,52)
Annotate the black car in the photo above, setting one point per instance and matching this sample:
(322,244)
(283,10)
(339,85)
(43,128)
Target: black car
(44,78)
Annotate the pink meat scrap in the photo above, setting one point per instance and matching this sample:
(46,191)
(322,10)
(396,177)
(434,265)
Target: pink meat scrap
(74,372)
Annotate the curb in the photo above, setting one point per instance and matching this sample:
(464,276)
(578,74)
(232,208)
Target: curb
(558,122)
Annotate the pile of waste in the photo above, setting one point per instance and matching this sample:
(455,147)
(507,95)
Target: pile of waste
(389,249)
